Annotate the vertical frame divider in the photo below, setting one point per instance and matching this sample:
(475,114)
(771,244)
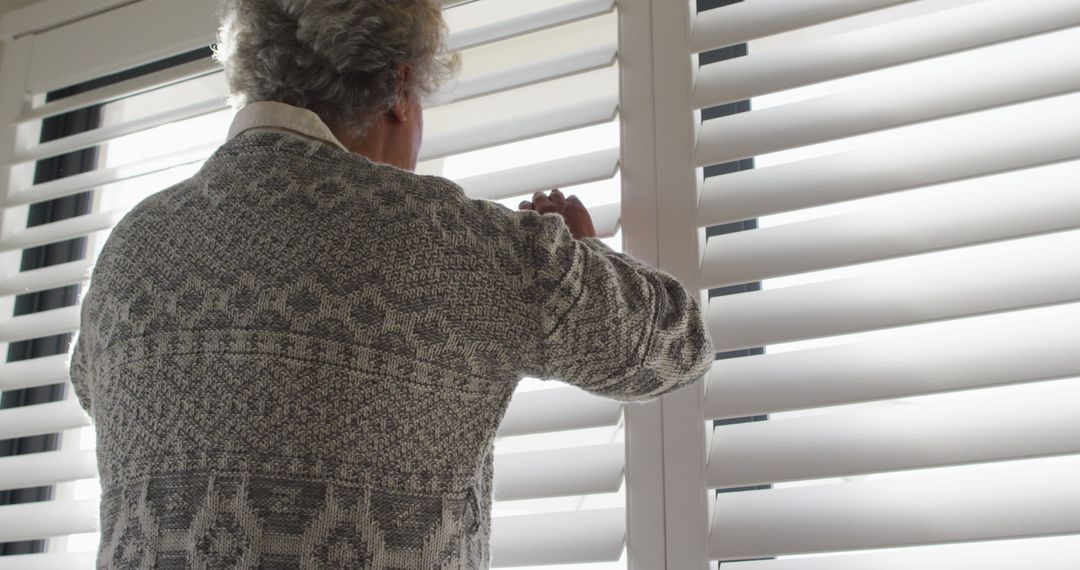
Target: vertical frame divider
(645,521)
(668,508)
(686,498)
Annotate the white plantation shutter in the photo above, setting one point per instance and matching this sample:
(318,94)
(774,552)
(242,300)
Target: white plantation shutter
(534,108)
(915,238)
(909,230)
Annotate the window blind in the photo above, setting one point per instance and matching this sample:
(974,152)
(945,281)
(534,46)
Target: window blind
(912,236)
(534,108)
(915,243)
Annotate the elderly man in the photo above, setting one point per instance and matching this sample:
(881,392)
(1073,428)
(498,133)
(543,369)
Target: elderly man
(298,357)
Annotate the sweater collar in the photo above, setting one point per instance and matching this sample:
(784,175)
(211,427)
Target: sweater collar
(272,115)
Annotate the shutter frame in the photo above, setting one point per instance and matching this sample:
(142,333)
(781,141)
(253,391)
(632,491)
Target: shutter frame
(658,144)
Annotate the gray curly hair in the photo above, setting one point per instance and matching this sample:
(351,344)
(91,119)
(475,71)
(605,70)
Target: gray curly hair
(337,58)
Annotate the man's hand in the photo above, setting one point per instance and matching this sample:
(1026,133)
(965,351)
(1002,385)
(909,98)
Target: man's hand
(578,220)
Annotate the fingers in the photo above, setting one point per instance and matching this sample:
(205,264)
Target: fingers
(556,202)
(578,219)
(558,198)
(545,205)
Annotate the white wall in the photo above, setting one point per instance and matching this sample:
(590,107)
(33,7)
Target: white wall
(7,6)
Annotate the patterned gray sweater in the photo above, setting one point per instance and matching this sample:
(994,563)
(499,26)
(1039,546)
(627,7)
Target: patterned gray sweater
(298,358)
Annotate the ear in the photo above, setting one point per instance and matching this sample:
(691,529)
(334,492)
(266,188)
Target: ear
(401,105)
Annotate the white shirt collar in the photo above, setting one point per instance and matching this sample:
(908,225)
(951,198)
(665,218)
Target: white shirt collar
(271,115)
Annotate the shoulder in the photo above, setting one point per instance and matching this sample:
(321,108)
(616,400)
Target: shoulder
(150,216)
(523,228)
(485,217)
(496,216)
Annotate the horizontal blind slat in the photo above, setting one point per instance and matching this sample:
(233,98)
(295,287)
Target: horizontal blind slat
(531,412)
(535,71)
(556,52)
(116,40)
(988,426)
(46,519)
(936,290)
(543,176)
(86,181)
(995,210)
(483,22)
(42,418)
(47,468)
(45,278)
(1008,139)
(743,22)
(606,219)
(559,472)
(986,351)
(565,104)
(37,325)
(49,561)
(911,509)
(214,101)
(891,105)
(877,47)
(123,89)
(1054,553)
(69,228)
(558,538)
(33,372)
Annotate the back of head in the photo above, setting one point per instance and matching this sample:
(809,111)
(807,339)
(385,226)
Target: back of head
(338,58)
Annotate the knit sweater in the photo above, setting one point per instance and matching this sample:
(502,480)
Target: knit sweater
(298,358)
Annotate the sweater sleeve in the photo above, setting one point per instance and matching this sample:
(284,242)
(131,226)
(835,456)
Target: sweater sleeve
(607,322)
(79,372)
